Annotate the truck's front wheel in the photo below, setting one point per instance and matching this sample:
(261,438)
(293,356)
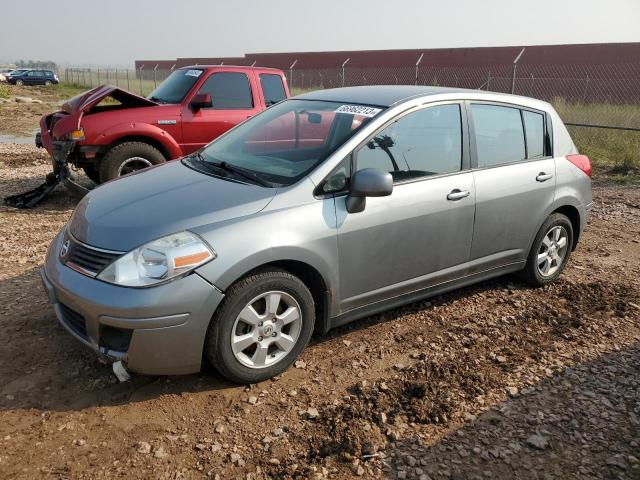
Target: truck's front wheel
(128,157)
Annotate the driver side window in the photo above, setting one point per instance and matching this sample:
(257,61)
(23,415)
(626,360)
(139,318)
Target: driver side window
(422,143)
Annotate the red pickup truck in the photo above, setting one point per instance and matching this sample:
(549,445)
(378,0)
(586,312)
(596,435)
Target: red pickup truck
(110,132)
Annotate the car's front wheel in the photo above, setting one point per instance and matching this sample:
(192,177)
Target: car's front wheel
(47,83)
(550,251)
(128,157)
(262,326)
(19,83)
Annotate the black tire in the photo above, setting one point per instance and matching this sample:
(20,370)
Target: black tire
(47,83)
(218,350)
(19,83)
(110,166)
(531,273)
(91,171)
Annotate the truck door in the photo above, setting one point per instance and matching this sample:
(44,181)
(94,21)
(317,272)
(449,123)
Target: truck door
(234,99)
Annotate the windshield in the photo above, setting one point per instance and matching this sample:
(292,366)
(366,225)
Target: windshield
(176,86)
(289,139)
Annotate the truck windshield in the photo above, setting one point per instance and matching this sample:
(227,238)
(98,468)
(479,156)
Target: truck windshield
(176,86)
(288,140)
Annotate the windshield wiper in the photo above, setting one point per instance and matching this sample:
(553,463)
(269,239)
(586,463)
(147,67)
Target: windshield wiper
(156,99)
(227,167)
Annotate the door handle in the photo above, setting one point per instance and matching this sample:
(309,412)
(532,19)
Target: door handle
(457,194)
(543,177)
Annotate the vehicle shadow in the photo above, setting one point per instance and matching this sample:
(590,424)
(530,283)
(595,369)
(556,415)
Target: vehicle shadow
(43,367)
(583,422)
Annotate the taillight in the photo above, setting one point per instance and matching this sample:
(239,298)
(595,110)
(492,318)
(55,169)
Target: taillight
(582,162)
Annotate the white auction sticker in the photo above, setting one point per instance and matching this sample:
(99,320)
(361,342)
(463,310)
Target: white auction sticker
(193,73)
(359,110)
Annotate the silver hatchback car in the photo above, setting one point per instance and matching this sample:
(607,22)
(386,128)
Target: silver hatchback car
(323,209)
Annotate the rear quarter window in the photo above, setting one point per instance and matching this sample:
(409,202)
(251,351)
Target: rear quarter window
(272,88)
(534,128)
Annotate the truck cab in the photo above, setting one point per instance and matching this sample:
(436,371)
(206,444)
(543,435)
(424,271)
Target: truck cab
(116,132)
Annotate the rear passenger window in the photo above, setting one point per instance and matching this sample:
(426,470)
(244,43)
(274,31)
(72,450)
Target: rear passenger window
(499,134)
(229,91)
(422,143)
(534,128)
(272,88)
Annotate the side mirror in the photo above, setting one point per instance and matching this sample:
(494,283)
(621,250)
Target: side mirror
(369,182)
(201,100)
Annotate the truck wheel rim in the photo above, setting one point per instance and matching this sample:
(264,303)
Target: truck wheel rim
(552,251)
(133,164)
(266,329)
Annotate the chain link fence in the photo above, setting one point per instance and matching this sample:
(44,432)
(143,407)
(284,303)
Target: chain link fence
(141,81)
(600,103)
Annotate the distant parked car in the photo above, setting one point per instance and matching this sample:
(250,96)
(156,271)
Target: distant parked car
(4,73)
(325,208)
(33,77)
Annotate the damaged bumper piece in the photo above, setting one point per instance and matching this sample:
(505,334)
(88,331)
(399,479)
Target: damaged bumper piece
(61,173)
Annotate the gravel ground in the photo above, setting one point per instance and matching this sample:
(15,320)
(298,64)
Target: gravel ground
(493,381)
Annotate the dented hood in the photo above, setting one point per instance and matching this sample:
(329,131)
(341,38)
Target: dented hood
(73,109)
(85,101)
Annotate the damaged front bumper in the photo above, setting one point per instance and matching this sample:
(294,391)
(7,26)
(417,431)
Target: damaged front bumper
(60,151)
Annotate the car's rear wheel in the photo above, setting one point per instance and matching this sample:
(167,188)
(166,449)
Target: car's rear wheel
(19,83)
(550,251)
(128,157)
(262,326)
(47,83)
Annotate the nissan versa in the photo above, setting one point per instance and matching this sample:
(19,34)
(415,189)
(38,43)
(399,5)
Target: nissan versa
(322,209)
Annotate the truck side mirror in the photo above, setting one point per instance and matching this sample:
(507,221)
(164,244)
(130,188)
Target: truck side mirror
(201,100)
(369,182)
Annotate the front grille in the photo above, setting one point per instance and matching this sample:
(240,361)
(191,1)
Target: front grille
(90,260)
(74,320)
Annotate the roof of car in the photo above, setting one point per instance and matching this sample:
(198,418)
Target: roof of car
(389,95)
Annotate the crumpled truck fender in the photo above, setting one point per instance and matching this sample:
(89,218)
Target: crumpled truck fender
(135,129)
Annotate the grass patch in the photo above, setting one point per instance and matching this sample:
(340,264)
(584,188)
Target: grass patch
(5,91)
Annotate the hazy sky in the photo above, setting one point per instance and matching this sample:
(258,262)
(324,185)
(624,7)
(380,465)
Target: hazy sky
(116,32)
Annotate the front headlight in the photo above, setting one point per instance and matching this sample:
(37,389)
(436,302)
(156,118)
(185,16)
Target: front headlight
(159,261)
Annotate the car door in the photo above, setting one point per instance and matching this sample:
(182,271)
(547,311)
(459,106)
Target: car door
(31,78)
(421,234)
(514,174)
(234,99)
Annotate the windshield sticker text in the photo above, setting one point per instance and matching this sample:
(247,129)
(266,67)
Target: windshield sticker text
(359,110)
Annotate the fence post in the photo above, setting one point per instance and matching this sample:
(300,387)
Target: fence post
(117,85)
(488,79)
(418,66)
(83,80)
(107,75)
(586,86)
(291,72)
(128,86)
(155,84)
(513,73)
(140,78)
(98,76)
(343,64)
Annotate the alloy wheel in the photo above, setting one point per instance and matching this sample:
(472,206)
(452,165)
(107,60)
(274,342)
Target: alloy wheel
(552,251)
(266,329)
(132,164)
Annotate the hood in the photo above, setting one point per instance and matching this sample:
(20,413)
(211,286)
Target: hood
(75,107)
(87,100)
(130,211)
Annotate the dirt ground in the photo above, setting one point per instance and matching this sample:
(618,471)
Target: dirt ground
(23,118)
(493,381)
